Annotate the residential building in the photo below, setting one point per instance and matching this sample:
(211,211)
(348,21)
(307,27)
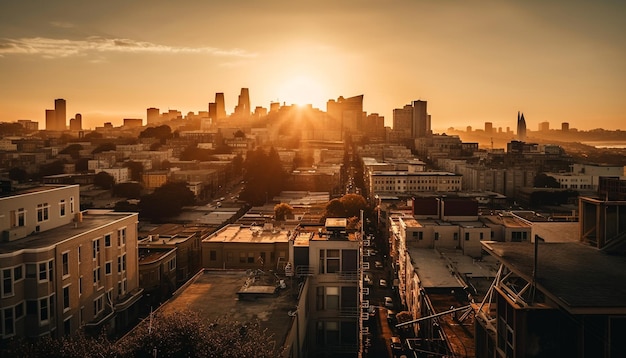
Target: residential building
(63,269)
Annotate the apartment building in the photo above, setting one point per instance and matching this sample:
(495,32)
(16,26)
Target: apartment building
(63,269)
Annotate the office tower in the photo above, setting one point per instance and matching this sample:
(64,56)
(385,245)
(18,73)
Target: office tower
(243,104)
(220,110)
(421,120)
(50,120)
(274,106)
(565,127)
(347,112)
(153,116)
(60,114)
(212,111)
(402,118)
(544,126)
(488,127)
(521,127)
(76,123)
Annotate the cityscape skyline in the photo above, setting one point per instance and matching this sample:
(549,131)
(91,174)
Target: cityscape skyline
(474,63)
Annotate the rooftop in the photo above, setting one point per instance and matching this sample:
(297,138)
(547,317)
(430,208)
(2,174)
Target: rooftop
(252,234)
(579,278)
(92,219)
(213,294)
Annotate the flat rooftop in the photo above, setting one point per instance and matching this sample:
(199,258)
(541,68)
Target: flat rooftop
(92,219)
(582,279)
(213,294)
(252,234)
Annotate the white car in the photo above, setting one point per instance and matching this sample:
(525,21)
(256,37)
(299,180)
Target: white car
(382,282)
(367,279)
(378,264)
(388,302)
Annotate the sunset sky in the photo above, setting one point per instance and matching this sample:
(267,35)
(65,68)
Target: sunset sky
(473,61)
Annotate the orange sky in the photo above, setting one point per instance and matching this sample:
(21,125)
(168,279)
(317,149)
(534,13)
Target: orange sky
(557,61)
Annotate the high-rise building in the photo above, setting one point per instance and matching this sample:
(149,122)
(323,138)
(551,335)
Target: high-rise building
(220,106)
(153,116)
(421,119)
(521,127)
(243,104)
(402,118)
(544,126)
(488,127)
(565,127)
(346,112)
(76,123)
(60,114)
(50,120)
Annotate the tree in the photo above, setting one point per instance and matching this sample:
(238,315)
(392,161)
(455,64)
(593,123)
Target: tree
(82,164)
(187,334)
(104,147)
(282,211)
(127,190)
(162,132)
(104,180)
(542,180)
(264,176)
(353,204)
(136,169)
(335,209)
(73,150)
(93,135)
(53,168)
(166,201)
(18,174)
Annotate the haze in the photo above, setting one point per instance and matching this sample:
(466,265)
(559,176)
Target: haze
(557,61)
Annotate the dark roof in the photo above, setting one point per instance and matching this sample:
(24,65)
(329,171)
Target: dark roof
(582,279)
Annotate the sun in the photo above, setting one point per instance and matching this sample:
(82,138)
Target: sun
(302,90)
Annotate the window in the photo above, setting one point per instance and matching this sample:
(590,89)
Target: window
(467,236)
(8,322)
(119,264)
(121,237)
(436,236)
(43,309)
(62,207)
(124,262)
(43,271)
(96,276)
(171,264)
(7,282)
(329,261)
(66,298)
(79,250)
(107,240)
(212,255)
(18,217)
(98,305)
(250,257)
(65,258)
(107,268)
(332,298)
(455,236)
(42,212)
(519,236)
(242,257)
(71,204)
(80,285)
(481,236)
(96,248)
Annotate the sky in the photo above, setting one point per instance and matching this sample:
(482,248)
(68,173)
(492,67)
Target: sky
(473,61)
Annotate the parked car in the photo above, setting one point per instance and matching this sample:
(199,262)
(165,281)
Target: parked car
(396,344)
(388,302)
(382,282)
(367,279)
(378,264)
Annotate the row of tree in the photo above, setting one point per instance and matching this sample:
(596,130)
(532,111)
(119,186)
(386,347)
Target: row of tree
(179,334)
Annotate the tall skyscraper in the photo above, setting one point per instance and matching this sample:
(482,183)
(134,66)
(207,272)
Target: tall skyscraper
(76,123)
(402,119)
(565,127)
(60,114)
(50,120)
(213,111)
(488,127)
(153,116)
(243,105)
(521,127)
(220,106)
(421,120)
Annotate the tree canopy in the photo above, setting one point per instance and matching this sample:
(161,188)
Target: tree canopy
(104,180)
(349,205)
(166,201)
(264,176)
(282,211)
(73,150)
(104,147)
(543,180)
(161,132)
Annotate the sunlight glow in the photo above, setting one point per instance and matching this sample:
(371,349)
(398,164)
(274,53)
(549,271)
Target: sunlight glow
(302,90)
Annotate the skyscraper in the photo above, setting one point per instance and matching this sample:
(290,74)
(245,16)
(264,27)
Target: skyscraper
(50,120)
(76,123)
(153,116)
(521,127)
(220,106)
(243,105)
(421,120)
(60,114)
